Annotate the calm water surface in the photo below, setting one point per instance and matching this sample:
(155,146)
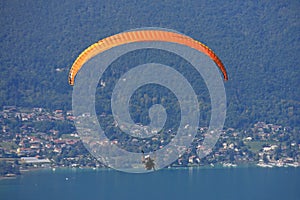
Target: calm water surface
(79,184)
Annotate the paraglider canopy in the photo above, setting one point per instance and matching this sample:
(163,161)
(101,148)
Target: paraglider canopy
(141,36)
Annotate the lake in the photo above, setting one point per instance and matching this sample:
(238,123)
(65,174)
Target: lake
(223,183)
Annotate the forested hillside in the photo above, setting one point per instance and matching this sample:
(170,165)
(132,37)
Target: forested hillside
(258,43)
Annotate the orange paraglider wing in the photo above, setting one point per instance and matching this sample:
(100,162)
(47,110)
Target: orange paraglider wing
(141,36)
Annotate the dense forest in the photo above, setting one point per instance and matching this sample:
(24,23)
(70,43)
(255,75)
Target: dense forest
(257,41)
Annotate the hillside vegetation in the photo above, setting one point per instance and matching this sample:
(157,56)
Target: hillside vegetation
(258,43)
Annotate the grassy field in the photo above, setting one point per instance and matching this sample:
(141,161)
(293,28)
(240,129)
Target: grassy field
(256,146)
(8,145)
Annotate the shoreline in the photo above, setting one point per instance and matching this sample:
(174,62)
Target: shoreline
(226,166)
(8,177)
(25,171)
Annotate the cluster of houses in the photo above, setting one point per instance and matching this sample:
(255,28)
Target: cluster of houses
(264,145)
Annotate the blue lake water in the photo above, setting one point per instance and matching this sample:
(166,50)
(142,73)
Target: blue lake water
(83,184)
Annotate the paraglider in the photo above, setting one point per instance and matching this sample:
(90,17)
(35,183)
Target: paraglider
(141,36)
(148,162)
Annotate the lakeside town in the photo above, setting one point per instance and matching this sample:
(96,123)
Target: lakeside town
(36,137)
